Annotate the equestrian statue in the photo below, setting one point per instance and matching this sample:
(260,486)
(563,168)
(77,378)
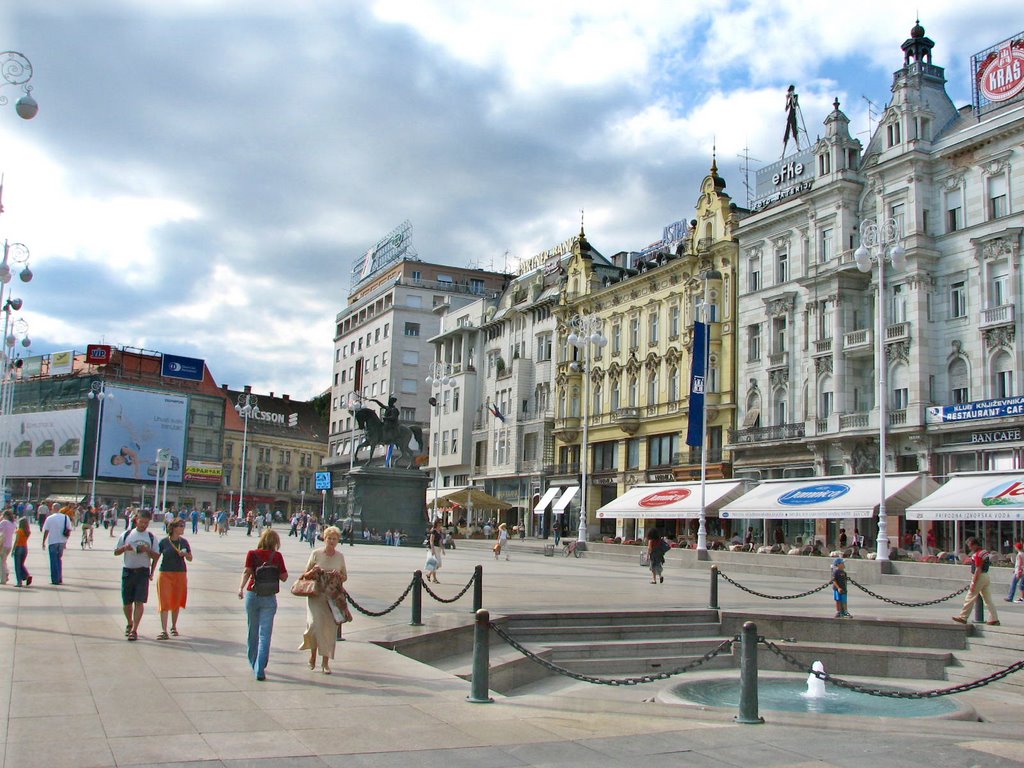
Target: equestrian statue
(386,429)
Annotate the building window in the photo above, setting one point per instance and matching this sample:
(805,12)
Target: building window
(606,457)
(674,318)
(412,329)
(417,275)
(999,292)
(897,212)
(652,328)
(825,246)
(997,199)
(892,133)
(616,338)
(409,357)
(958,300)
(408,414)
(778,335)
(414,301)
(825,405)
(616,394)
(633,453)
(780,409)
(634,333)
(824,164)
(781,267)
(712,377)
(661,450)
(753,342)
(652,388)
(959,382)
(754,274)
(408,386)
(898,309)
(476,285)
(634,391)
(954,210)
(544,347)
(900,398)
(674,391)
(1002,376)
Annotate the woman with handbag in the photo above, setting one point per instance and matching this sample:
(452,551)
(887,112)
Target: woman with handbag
(263,566)
(326,610)
(435,542)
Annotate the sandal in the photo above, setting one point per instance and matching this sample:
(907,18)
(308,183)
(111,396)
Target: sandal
(174,631)
(326,670)
(162,636)
(128,630)
(133,635)
(312,665)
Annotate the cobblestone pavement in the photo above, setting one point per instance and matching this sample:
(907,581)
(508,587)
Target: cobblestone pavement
(77,694)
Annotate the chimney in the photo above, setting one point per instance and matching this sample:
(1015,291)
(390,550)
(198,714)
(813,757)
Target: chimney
(271,394)
(286,397)
(224,387)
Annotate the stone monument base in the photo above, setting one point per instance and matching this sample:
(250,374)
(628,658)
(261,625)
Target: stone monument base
(381,498)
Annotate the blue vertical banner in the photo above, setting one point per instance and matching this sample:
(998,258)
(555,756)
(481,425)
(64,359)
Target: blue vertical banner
(698,374)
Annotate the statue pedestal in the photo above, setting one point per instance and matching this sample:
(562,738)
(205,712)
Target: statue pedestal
(381,497)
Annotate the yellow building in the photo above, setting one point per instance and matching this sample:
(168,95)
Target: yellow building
(637,389)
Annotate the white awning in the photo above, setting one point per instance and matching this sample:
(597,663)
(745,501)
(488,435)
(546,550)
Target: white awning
(974,496)
(64,498)
(549,494)
(834,498)
(564,499)
(673,501)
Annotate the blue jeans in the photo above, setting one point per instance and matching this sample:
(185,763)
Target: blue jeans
(260,612)
(1013,586)
(20,571)
(56,569)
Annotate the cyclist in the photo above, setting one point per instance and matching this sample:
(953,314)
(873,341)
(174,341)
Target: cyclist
(88,520)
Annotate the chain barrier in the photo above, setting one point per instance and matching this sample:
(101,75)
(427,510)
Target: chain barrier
(889,600)
(889,693)
(387,610)
(440,599)
(736,584)
(622,681)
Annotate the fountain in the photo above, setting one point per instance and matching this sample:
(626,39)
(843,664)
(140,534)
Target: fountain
(815,685)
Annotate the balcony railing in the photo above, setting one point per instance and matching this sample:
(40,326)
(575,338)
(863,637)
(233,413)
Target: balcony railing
(628,419)
(767,434)
(778,360)
(1002,315)
(897,331)
(691,457)
(857,340)
(823,347)
(861,420)
(897,418)
(562,469)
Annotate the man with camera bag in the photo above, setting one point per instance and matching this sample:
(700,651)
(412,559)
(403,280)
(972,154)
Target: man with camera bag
(138,545)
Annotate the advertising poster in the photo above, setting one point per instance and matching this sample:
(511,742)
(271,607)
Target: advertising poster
(45,444)
(137,423)
(178,367)
(61,362)
(204,472)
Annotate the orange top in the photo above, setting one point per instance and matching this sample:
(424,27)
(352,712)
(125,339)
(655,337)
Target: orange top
(21,538)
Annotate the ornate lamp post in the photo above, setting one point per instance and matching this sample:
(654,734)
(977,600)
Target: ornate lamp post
(586,336)
(97,391)
(440,376)
(706,319)
(880,243)
(246,408)
(16,69)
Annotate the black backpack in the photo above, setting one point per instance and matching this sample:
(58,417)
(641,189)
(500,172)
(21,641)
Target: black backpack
(267,579)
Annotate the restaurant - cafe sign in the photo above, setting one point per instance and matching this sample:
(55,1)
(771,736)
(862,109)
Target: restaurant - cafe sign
(982,409)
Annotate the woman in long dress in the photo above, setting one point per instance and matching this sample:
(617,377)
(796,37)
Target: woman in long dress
(324,615)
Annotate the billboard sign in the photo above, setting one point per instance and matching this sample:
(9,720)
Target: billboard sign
(46,443)
(394,246)
(136,423)
(177,367)
(980,409)
(788,177)
(61,362)
(323,481)
(998,73)
(97,354)
(204,472)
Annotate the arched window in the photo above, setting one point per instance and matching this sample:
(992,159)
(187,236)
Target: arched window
(563,411)
(825,397)
(779,410)
(753,416)
(597,404)
(1002,375)
(959,382)
(674,391)
(634,391)
(899,388)
(652,387)
(616,394)
(575,402)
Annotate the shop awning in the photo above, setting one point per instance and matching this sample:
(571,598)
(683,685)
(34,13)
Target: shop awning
(546,499)
(65,498)
(564,499)
(829,497)
(673,501)
(974,496)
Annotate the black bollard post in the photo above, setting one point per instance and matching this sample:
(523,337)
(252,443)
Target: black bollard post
(748,676)
(979,611)
(478,588)
(417,599)
(713,598)
(478,691)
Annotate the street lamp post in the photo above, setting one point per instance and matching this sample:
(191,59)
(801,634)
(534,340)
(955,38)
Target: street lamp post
(706,318)
(440,376)
(97,391)
(16,69)
(246,407)
(880,243)
(585,336)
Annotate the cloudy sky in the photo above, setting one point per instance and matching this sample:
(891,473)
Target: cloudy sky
(203,173)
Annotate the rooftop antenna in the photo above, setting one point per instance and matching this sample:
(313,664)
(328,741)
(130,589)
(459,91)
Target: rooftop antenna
(747,157)
(873,112)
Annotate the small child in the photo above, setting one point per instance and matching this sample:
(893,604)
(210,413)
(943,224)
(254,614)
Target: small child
(839,591)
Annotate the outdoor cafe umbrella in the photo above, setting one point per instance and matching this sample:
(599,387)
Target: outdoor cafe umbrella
(474,498)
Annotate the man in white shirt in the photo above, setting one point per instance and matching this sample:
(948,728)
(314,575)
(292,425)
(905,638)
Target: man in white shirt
(56,528)
(7,528)
(139,547)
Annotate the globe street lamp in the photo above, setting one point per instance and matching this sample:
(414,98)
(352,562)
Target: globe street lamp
(440,376)
(16,69)
(586,336)
(246,408)
(880,243)
(97,391)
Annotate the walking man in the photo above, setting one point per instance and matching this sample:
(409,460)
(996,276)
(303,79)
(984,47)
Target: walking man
(138,546)
(56,528)
(980,561)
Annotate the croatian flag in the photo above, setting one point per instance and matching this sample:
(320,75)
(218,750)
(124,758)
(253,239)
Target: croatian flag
(389,456)
(496,413)
(698,372)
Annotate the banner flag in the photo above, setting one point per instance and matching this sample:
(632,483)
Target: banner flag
(698,372)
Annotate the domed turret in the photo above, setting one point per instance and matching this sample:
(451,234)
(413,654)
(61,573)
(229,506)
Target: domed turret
(917,46)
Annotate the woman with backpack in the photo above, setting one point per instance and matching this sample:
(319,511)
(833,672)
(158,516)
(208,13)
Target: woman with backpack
(656,549)
(261,581)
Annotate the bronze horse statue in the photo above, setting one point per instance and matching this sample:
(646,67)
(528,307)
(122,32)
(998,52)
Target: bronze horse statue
(373,435)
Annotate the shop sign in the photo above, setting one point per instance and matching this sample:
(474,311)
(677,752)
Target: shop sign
(999,436)
(544,257)
(814,494)
(204,472)
(605,479)
(1001,74)
(1007,494)
(660,477)
(982,409)
(663,497)
(791,176)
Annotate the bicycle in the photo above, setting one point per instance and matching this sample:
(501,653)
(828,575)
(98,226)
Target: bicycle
(571,548)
